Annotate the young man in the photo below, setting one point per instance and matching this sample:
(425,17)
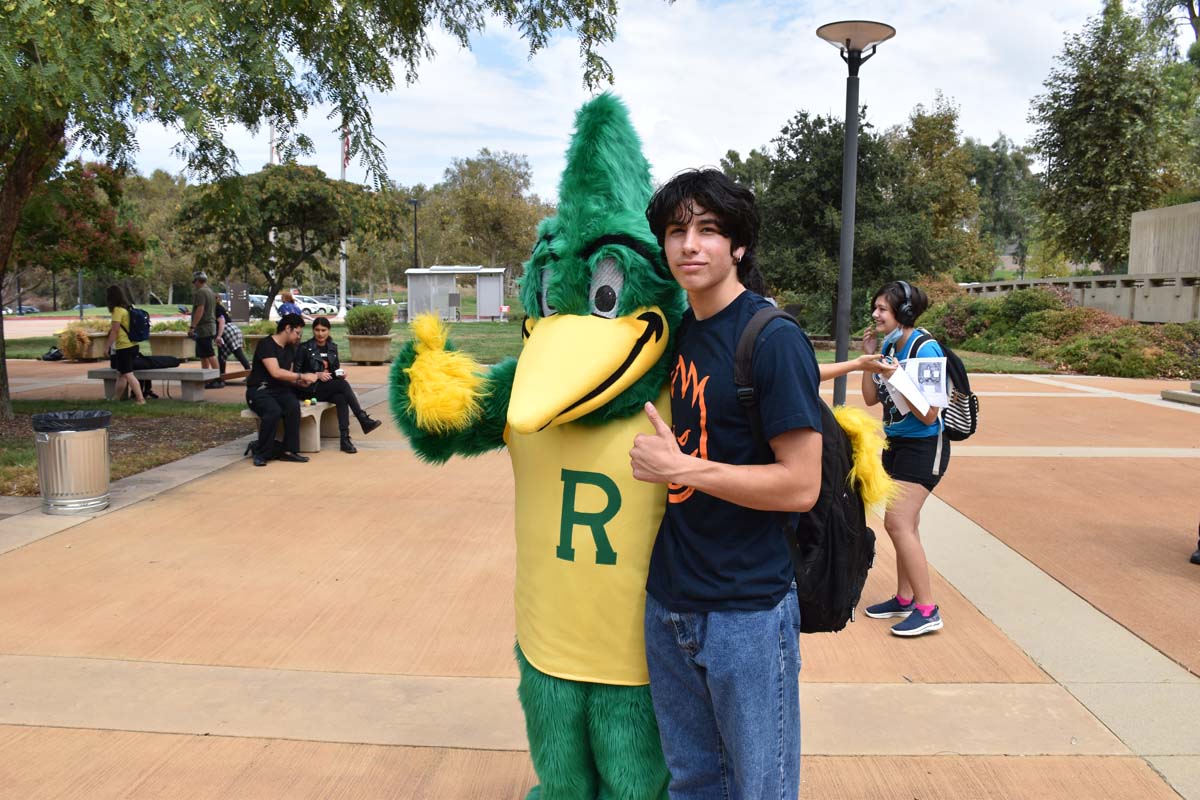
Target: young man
(722,620)
(204,325)
(271,392)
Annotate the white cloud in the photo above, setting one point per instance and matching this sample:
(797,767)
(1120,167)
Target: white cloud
(700,78)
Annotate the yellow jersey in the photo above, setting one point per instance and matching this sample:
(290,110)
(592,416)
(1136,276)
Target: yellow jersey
(585,528)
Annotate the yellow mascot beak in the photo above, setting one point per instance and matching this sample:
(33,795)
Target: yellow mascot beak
(572,365)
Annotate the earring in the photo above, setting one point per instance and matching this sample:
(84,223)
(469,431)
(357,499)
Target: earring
(736,261)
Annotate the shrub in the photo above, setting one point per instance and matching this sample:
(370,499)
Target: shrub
(369,320)
(1015,306)
(263,327)
(173,326)
(74,340)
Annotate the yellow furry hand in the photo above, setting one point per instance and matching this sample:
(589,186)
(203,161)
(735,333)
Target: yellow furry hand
(867,443)
(443,385)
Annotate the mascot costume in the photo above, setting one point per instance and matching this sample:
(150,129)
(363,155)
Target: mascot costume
(602,312)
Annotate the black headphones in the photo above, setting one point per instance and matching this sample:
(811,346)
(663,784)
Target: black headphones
(904,314)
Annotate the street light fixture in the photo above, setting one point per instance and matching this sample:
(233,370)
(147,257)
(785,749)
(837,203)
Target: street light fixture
(415,202)
(851,38)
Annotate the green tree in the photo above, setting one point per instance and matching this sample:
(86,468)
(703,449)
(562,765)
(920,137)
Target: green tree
(1007,192)
(155,203)
(801,218)
(276,221)
(1101,136)
(94,69)
(754,173)
(490,197)
(938,178)
(73,222)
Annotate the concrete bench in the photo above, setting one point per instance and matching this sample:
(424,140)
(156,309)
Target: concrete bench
(191,381)
(316,422)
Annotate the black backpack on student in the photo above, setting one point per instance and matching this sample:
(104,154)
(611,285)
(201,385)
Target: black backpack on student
(139,325)
(961,417)
(832,548)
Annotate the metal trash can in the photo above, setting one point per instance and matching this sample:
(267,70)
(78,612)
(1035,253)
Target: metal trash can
(72,454)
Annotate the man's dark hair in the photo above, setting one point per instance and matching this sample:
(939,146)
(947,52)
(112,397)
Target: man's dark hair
(289,321)
(713,190)
(321,322)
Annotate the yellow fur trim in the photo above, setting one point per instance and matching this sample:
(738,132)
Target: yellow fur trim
(443,385)
(867,443)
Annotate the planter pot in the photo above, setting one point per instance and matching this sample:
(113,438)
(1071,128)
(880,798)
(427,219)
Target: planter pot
(173,343)
(96,349)
(251,342)
(370,349)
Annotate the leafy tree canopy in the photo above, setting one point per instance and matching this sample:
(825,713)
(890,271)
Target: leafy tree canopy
(275,221)
(1102,133)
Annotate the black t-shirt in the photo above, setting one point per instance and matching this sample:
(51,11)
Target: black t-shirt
(712,555)
(267,348)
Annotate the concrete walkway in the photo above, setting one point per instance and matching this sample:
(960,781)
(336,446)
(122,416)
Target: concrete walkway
(344,628)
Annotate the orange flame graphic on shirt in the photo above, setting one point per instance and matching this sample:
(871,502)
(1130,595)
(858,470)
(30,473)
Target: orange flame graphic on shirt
(686,384)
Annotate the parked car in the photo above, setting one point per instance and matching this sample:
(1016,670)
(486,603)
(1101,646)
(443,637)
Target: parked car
(258,303)
(384,301)
(352,302)
(311,305)
(77,307)
(28,309)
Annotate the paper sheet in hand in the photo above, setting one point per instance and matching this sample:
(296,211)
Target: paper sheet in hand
(929,374)
(901,385)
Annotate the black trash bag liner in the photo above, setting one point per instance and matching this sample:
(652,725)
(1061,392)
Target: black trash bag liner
(59,421)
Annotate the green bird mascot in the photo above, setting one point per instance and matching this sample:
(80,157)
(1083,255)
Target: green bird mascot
(602,311)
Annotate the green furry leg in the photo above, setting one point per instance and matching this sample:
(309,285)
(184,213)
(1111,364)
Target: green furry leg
(590,741)
(625,743)
(556,724)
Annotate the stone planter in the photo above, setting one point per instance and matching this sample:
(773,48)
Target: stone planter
(370,349)
(172,343)
(251,342)
(96,349)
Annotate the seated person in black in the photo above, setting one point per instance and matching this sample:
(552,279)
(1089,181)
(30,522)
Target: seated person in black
(271,392)
(320,355)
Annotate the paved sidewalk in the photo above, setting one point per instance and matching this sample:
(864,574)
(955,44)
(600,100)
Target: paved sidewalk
(344,628)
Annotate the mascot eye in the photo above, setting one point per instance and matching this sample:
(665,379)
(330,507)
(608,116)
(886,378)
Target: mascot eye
(607,282)
(547,309)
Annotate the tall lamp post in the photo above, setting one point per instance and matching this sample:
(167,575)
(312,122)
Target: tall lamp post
(342,255)
(851,38)
(415,202)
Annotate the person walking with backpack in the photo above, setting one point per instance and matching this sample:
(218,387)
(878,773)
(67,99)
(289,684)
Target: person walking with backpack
(120,347)
(722,620)
(916,456)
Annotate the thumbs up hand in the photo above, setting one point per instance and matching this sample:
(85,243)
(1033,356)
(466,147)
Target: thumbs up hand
(655,457)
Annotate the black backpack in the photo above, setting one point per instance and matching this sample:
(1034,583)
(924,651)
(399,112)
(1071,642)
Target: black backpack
(139,325)
(832,548)
(961,417)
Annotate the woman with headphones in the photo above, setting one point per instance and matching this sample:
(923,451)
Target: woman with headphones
(916,457)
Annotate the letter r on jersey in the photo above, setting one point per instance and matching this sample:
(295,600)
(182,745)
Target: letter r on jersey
(595,520)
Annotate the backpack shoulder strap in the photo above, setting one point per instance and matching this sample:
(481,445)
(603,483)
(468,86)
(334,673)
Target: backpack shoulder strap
(743,364)
(922,336)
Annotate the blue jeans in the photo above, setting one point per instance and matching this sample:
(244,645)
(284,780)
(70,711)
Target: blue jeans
(726,692)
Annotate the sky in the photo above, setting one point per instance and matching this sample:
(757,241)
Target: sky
(700,78)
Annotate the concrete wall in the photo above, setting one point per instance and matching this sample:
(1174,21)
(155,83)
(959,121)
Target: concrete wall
(1145,298)
(1165,240)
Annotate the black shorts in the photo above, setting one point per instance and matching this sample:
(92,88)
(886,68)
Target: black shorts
(204,347)
(122,360)
(911,459)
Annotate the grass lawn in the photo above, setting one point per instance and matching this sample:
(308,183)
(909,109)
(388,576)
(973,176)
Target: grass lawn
(491,342)
(140,437)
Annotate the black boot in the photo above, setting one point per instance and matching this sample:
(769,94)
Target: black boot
(368,424)
(347,445)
